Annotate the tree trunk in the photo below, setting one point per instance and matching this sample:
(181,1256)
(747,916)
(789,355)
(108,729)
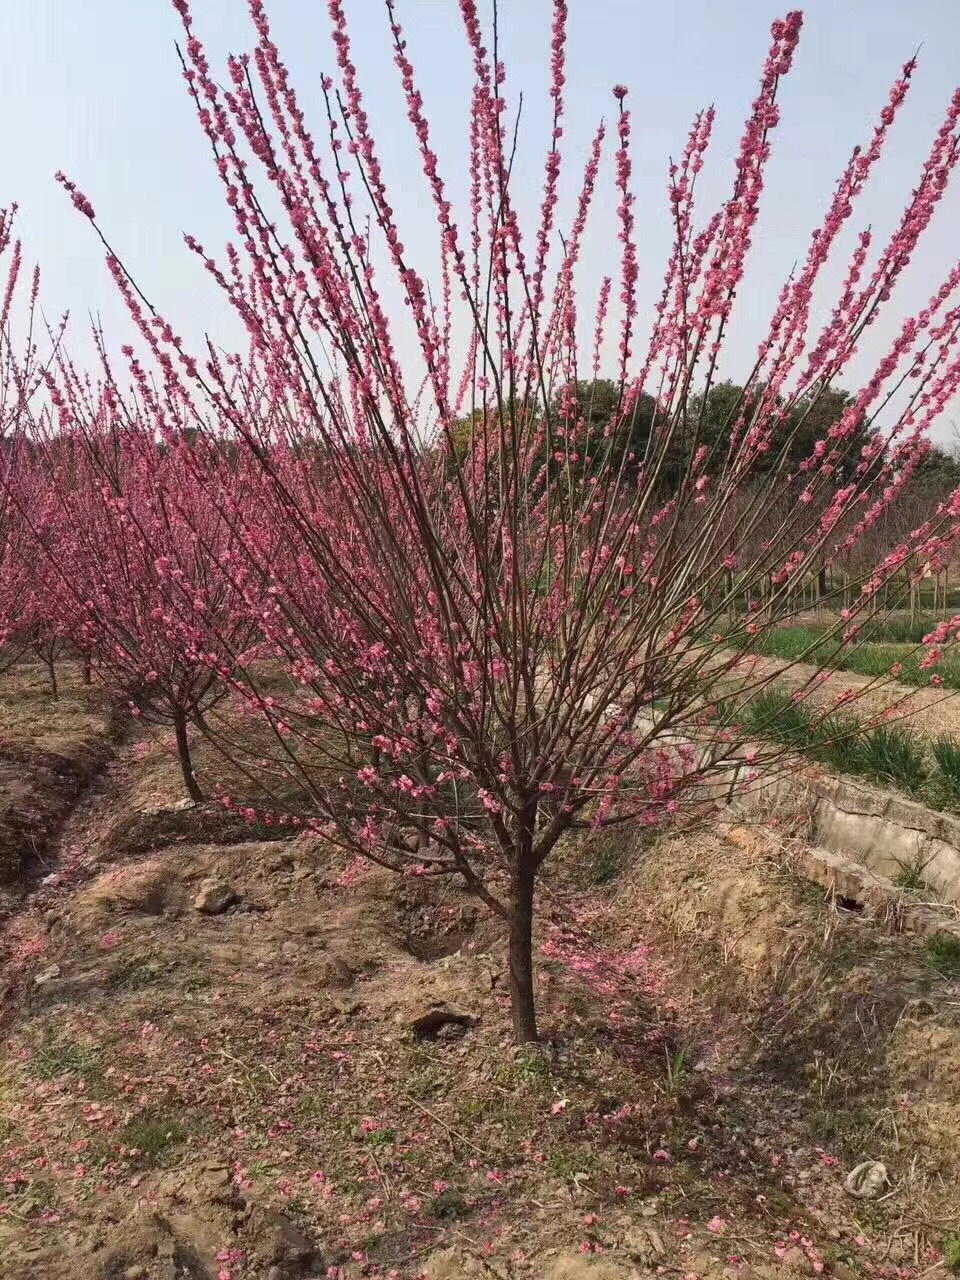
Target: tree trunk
(521,952)
(87,669)
(183,752)
(52,676)
(730,589)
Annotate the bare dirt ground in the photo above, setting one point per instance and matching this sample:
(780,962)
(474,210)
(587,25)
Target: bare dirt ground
(317,1080)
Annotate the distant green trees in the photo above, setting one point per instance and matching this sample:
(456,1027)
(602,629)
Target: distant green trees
(585,432)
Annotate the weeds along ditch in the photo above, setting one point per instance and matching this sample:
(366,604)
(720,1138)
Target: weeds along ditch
(890,754)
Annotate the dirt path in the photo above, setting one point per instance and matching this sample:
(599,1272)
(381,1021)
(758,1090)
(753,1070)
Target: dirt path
(931,712)
(71,856)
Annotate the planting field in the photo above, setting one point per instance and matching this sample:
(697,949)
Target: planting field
(425,852)
(228,1052)
(885,647)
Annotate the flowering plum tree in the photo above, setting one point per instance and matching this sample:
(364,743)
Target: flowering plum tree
(138,558)
(492,646)
(30,606)
(27,613)
(21,367)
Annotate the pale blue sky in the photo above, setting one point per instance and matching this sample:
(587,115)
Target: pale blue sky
(93,87)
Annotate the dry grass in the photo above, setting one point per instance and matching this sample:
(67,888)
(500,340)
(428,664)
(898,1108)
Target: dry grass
(845,1020)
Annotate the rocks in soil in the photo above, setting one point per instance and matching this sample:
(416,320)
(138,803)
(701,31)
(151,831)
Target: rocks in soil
(867,1180)
(577,1266)
(162,1246)
(337,972)
(422,1000)
(216,1184)
(917,1009)
(440,1018)
(451,1264)
(643,1244)
(214,897)
(282,1243)
(280,865)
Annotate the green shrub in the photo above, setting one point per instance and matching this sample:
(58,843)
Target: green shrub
(946,752)
(773,713)
(892,753)
(838,743)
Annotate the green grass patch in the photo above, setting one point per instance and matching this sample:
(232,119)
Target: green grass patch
(839,743)
(471,1109)
(153,1133)
(891,753)
(564,1159)
(774,713)
(899,630)
(380,1138)
(602,858)
(137,973)
(881,646)
(531,1065)
(946,753)
(943,955)
(676,1071)
(54,1059)
(313,1106)
(28,1200)
(911,879)
(423,1083)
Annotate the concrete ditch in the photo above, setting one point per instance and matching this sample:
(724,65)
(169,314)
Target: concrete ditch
(864,841)
(883,832)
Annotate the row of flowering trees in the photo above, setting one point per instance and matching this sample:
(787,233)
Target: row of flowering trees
(485,644)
